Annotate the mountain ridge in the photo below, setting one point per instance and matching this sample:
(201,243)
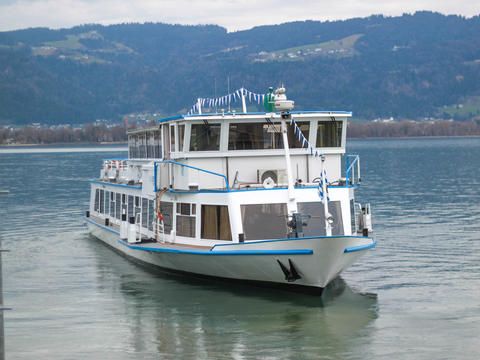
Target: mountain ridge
(410,66)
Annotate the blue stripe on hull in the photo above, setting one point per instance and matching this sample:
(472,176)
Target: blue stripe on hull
(360,247)
(239,252)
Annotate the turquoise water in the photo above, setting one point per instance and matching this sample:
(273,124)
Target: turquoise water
(415,297)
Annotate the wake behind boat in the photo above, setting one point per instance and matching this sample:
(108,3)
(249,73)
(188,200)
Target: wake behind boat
(256,197)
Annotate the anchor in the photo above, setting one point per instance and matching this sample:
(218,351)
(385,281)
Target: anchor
(291,274)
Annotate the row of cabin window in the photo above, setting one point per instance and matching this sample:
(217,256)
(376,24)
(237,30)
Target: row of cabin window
(147,145)
(242,136)
(215,222)
(115,204)
(262,136)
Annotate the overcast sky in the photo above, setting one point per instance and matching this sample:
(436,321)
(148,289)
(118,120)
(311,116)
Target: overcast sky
(232,14)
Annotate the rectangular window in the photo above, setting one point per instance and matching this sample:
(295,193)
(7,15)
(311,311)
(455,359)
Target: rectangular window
(150,145)
(112,204)
(143,145)
(107,202)
(185,219)
(166,209)
(183,208)
(181,136)
(329,134)
(102,201)
(144,212)
(172,138)
(96,206)
(264,221)
(186,226)
(293,140)
(133,146)
(254,136)
(158,145)
(264,136)
(118,204)
(215,223)
(316,218)
(151,214)
(130,206)
(205,137)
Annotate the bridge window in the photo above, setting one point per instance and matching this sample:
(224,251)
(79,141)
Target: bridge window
(181,136)
(216,223)
(263,136)
(293,140)
(254,136)
(205,137)
(329,134)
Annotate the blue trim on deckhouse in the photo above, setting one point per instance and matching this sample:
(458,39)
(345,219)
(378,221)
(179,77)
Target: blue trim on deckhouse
(134,187)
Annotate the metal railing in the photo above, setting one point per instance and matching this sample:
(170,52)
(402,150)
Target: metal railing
(352,172)
(172,162)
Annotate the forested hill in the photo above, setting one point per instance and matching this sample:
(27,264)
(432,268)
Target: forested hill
(412,66)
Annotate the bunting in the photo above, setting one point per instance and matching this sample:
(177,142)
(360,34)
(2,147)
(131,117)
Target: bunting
(228,99)
(323,179)
(303,140)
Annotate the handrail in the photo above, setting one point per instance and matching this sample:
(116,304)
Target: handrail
(351,171)
(193,168)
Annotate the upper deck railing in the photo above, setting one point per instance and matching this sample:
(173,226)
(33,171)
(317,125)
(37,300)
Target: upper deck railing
(172,163)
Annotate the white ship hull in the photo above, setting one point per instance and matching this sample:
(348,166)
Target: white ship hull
(315,260)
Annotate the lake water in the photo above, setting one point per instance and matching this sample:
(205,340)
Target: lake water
(417,296)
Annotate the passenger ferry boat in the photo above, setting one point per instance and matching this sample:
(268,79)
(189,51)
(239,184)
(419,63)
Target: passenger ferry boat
(250,196)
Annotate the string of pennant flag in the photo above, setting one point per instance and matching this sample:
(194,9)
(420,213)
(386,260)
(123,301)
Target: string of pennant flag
(303,140)
(228,99)
(313,152)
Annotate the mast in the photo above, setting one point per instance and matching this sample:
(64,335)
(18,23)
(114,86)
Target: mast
(292,203)
(283,105)
(244,105)
(328,216)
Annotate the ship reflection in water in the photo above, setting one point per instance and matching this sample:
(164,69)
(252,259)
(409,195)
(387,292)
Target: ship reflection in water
(182,317)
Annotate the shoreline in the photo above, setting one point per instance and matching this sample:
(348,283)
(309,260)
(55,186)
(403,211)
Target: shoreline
(67,143)
(104,143)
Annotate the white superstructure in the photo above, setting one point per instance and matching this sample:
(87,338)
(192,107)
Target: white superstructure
(257,197)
